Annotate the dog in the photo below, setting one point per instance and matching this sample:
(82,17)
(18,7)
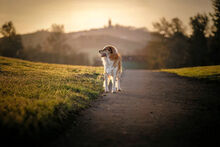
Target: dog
(112,63)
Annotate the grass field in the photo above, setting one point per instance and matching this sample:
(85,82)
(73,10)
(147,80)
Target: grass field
(37,97)
(202,72)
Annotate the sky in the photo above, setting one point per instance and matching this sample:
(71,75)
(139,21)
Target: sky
(31,15)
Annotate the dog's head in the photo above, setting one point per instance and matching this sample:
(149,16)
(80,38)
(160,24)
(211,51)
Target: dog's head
(107,51)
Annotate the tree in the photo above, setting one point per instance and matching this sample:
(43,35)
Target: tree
(215,42)
(8,29)
(156,52)
(168,29)
(11,43)
(177,27)
(216,18)
(178,47)
(56,44)
(56,39)
(171,50)
(199,48)
(163,27)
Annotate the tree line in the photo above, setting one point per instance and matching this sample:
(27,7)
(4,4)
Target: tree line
(53,50)
(172,47)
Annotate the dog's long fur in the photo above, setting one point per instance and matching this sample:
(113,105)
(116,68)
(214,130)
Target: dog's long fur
(112,67)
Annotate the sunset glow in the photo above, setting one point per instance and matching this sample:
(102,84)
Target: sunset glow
(30,15)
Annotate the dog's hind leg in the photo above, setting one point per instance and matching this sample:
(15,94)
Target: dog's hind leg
(118,84)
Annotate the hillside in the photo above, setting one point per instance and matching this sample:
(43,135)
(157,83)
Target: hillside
(38,98)
(127,39)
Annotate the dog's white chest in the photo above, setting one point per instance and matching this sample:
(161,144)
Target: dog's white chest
(108,66)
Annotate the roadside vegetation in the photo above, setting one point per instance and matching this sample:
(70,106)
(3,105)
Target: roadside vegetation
(171,46)
(200,72)
(37,98)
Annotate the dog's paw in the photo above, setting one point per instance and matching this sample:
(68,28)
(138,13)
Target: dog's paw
(113,90)
(119,90)
(106,91)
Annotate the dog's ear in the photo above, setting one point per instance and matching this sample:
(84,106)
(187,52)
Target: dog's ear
(110,50)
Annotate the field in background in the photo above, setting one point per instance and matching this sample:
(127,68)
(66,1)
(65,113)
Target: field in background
(38,97)
(201,72)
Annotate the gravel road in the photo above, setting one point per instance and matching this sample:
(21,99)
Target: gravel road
(154,109)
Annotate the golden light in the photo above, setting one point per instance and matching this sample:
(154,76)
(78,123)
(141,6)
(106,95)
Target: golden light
(75,15)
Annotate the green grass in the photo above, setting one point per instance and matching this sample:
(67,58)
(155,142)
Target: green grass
(35,97)
(202,72)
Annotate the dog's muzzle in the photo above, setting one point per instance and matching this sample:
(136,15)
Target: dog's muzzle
(102,54)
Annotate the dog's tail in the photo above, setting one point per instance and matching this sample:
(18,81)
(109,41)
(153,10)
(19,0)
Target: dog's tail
(119,71)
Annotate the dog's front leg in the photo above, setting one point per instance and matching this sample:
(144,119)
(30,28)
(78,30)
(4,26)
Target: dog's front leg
(106,83)
(113,84)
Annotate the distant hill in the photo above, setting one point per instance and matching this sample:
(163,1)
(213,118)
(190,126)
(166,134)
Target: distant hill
(127,39)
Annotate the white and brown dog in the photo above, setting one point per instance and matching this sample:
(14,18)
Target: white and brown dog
(112,67)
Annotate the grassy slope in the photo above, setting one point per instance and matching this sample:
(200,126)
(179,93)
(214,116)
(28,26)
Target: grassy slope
(36,96)
(201,72)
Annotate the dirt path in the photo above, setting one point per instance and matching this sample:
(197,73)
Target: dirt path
(154,109)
